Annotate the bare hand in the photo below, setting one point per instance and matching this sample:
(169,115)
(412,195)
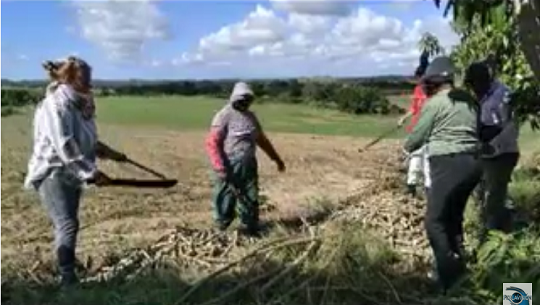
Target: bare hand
(401,122)
(106,152)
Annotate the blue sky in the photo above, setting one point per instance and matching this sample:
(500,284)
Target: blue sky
(219,39)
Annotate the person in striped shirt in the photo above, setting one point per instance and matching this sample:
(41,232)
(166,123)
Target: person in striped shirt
(231,145)
(64,152)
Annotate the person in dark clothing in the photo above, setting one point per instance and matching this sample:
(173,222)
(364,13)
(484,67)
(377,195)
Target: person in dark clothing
(448,126)
(500,150)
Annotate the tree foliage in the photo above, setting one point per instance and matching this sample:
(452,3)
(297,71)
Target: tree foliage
(352,96)
(491,30)
(430,44)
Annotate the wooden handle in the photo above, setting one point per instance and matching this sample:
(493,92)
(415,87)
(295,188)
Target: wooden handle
(165,183)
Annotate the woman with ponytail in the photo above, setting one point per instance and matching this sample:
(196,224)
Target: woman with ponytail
(64,154)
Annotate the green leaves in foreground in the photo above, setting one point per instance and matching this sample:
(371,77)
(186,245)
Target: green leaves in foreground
(506,258)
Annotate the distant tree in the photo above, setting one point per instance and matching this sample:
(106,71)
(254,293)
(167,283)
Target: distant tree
(430,45)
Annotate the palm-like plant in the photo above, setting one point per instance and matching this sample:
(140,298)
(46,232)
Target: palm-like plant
(429,44)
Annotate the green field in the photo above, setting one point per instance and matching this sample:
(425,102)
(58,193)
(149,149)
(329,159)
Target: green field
(195,113)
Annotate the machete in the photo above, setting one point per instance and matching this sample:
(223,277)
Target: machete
(165,183)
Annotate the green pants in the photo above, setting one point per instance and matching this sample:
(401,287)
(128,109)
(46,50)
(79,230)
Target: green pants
(244,177)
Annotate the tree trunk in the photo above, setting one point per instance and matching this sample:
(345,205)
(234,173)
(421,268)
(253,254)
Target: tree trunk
(529,31)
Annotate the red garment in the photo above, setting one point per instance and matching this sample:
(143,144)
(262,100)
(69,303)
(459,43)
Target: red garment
(214,149)
(418,101)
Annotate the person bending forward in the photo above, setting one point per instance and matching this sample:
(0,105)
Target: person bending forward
(500,154)
(448,125)
(231,146)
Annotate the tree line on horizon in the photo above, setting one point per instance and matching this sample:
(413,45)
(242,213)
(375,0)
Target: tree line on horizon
(356,96)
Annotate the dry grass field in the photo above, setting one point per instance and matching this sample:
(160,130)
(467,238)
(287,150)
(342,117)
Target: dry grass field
(115,218)
(325,174)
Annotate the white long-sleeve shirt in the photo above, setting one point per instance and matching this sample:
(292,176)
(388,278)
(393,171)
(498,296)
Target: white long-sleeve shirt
(63,138)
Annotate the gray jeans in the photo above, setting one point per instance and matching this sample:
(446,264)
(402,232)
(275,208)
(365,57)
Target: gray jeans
(60,195)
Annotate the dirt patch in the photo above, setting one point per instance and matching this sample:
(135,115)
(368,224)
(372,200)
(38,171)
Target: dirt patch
(319,168)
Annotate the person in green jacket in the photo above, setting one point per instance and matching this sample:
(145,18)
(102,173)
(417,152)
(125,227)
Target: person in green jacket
(448,126)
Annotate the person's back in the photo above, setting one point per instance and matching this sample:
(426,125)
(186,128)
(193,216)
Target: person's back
(448,124)
(454,127)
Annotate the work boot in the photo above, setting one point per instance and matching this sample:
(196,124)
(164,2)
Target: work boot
(411,190)
(222,226)
(433,275)
(68,279)
(454,273)
(66,266)
(250,230)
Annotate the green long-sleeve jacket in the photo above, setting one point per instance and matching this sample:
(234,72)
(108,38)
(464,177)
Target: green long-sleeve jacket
(447,124)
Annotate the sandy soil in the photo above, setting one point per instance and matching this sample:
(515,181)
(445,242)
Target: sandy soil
(318,168)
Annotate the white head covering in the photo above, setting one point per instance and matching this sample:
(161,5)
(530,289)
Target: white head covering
(240,90)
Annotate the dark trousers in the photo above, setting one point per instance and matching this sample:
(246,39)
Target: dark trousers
(453,179)
(494,191)
(226,203)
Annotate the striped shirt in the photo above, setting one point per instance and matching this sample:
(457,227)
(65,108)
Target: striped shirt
(64,138)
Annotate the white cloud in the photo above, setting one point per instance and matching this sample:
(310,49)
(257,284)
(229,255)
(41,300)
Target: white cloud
(22,57)
(308,24)
(314,7)
(358,40)
(261,26)
(121,28)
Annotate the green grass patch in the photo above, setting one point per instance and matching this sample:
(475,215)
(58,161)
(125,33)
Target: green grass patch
(193,113)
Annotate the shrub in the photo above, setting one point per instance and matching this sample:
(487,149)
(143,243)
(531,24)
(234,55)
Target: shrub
(20,97)
(361,100)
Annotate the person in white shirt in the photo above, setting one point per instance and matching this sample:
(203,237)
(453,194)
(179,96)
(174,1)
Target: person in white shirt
(64,154)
